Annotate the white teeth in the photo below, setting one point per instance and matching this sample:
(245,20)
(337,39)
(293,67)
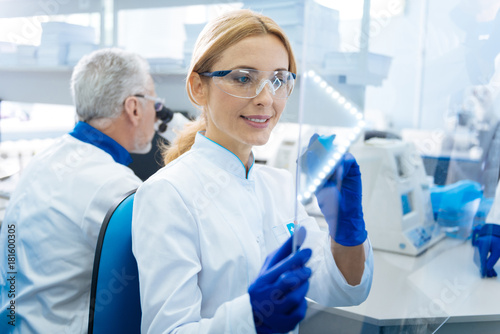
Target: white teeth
(256,120)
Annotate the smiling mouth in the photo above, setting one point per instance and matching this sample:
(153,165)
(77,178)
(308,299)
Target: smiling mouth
(256,120)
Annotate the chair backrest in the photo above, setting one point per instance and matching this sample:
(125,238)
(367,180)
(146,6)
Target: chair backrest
(114,297)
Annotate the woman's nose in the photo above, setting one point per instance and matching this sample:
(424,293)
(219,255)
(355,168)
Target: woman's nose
(265,96)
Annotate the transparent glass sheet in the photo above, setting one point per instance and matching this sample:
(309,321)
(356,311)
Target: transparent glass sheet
(410,90)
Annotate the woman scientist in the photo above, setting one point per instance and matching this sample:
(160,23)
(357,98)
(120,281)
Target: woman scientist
(204,224)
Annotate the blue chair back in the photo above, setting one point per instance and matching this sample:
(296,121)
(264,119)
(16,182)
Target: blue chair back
(114,298)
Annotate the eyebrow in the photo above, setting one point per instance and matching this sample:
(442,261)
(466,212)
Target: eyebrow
(253,68)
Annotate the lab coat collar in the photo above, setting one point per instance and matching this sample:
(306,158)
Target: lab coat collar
(91,135)
(224,158)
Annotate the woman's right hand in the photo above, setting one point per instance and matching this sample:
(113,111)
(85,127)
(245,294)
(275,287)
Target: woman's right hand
(278,294)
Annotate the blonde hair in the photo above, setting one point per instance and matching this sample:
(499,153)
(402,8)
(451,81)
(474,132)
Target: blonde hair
(217,36)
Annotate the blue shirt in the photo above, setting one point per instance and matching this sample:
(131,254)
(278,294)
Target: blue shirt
(88,134)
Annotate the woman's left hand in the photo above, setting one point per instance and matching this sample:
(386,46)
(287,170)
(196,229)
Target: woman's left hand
(339,198)
(340,202)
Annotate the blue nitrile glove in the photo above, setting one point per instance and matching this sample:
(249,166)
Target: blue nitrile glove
(278,293)
(339,198)
(448,201)
(487,239)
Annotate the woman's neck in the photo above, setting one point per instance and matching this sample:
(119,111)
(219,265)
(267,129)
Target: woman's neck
(242,151)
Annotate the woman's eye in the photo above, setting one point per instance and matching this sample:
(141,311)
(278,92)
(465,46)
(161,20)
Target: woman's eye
(242,80)
(277,81)
(282,77)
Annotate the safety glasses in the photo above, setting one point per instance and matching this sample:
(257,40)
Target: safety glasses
(159,102)
(248,83)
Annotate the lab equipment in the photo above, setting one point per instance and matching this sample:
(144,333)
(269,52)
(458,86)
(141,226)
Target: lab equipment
(165,115)
(169,122)
(281,149)
(487,239)
(471,139)
(339,197)
(278,294)
(396,198)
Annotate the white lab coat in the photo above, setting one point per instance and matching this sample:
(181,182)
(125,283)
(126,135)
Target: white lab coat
(201,231)
(57,209)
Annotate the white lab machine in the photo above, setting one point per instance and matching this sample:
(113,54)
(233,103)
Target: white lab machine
(169,128)
(281,149)
(396,196)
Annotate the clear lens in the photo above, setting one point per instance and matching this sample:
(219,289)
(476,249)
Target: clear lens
(158,106)
(249,83)
(159,102)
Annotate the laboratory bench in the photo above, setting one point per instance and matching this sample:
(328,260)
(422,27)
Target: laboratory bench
(440,289)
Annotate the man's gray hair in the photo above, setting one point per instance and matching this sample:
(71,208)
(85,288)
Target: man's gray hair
(102,80)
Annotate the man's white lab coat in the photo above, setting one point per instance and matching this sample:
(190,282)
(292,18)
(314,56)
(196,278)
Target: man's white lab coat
(56,212)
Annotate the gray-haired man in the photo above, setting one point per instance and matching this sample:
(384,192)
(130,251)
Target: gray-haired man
(57,209)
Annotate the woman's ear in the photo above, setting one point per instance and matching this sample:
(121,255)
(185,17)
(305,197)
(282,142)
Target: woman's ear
(199,88)
(131,110)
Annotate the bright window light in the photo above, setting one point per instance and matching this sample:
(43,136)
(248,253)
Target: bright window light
(22,30)
(28,30)
(353,9)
